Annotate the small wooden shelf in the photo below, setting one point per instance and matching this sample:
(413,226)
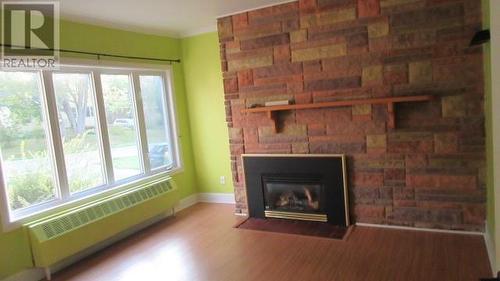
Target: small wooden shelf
(272,111)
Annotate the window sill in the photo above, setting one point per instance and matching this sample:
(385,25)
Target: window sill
(19,221)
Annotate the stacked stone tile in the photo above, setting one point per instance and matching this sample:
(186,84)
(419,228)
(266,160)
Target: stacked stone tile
(427,172)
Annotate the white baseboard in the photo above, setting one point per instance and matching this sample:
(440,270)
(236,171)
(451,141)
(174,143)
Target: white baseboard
(186,202)
(221,198)
(490,248)
(419,229)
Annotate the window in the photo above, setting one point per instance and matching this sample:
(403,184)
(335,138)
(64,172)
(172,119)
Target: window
(79,131)
(156,121)
(77,124)
(28,172)
(122,127)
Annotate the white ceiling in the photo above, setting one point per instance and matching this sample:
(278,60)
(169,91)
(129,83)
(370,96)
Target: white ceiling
(178,18)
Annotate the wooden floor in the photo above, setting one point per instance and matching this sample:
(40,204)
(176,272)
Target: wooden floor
(200,243)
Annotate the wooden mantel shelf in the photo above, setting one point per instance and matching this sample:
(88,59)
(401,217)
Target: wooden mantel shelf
(272,111)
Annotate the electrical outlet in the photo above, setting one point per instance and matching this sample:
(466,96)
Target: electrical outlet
(222,180)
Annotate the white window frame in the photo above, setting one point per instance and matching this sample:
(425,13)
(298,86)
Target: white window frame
(64,200)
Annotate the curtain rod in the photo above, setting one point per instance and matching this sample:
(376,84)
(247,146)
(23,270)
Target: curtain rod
(99,55)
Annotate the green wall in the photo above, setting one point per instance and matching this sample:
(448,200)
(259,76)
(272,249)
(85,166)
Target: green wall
(490,215)
(14,248)
(15,253)
(492,104)
(205,95)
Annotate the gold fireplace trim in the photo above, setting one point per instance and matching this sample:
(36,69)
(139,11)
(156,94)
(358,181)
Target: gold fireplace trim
(296,216)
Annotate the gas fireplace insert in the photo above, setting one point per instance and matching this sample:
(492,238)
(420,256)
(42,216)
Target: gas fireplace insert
(297,187)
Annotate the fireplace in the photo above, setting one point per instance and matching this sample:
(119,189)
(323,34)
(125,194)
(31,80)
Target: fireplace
(294,197)
(297,187)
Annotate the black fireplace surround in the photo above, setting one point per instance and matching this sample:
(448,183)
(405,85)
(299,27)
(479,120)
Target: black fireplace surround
(313,185)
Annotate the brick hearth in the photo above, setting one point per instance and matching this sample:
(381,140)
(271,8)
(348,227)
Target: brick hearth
(427,172)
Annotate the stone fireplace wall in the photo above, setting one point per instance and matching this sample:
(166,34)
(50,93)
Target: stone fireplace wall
(429,171)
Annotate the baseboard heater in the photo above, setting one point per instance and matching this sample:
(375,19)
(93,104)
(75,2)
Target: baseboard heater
(58,237)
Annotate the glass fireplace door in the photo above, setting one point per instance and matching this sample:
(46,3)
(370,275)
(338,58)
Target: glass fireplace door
(292,197)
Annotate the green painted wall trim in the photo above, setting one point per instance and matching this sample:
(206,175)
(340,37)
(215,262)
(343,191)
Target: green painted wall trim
(14,246)
(205,95)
